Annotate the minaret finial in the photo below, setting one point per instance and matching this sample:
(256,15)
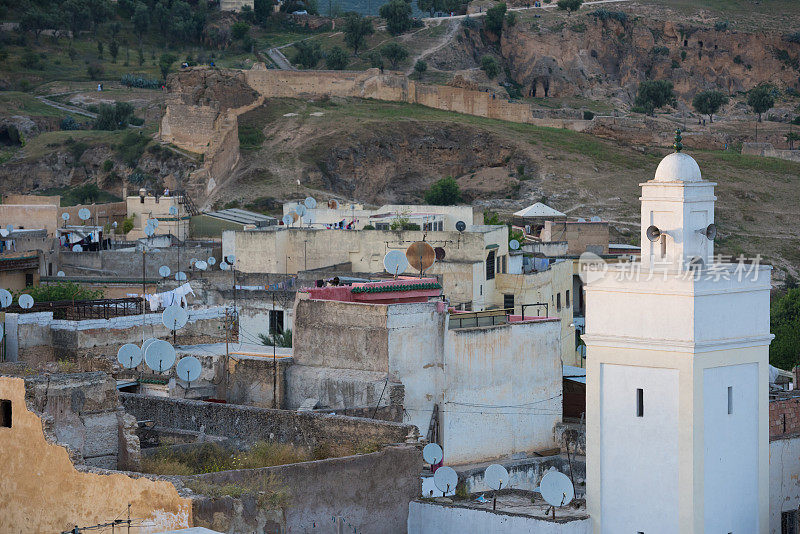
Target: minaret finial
(678,146)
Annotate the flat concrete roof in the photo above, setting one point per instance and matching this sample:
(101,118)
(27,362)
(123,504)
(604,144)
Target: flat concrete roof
(238,350)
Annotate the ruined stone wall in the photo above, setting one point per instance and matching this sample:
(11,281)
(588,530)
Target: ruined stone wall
(188,126)
(250,424)
(42,491)
(370,492)
(769,151)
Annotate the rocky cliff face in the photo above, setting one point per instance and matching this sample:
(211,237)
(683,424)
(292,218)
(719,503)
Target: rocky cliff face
(599,59)
(218,88)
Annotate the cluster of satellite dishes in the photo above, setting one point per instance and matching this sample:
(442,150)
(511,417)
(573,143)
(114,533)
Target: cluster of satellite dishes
(4,232)
(555,487)
(160,355)
(201,265)
(25,301)
(300,210)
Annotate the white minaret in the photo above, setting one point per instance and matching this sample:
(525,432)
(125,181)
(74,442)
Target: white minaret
(677,375)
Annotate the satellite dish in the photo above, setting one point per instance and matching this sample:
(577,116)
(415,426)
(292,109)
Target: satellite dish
(65,216)
(188,368)
(114,224)
(439,253)
(84,214)
(653,233)
(174,317)
(496,477)
(4,232)
(224,266)
(147,343)
(461,226)
(231,258)
(432,453)
(395,262)
(60,274)
(25,301)
(163,271)
(287,219)
(77,248)
(581,219)
(445,479)
(153,223)
(333,204)
(709,231)
(192,262)
(513,244)
(300,209)
(5,298)
(149,231)
(129,356)
(212,260)
(201,265)
(173,210)
(420,255)
(159,355)
(595,218)
(556,488)
(10,228)
(310,203)
(180,276)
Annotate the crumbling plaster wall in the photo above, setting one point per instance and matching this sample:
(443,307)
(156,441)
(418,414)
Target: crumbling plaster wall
(42,491)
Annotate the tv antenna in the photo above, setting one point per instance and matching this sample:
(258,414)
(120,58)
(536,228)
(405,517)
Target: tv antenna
(395,262)
(5,298)
(180,276)
(496,477)
(159,355)
(188,369)
(224,266)
(163,271)
(556,489)
(513,244)
(61,274)
(84,214)
(129,356)
(65,218)
(445,478)
(287,220)
(420,256)
(25,301)
(310,203)
(149,231)
(201,265)
(333,204)
(77,248)
(211,260)
(595,218)
(461,226)
(174,318)
(146,343)
(432,453)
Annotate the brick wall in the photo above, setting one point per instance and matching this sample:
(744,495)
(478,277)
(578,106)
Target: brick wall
(784,417)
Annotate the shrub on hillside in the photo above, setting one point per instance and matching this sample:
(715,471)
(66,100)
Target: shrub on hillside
(140,81)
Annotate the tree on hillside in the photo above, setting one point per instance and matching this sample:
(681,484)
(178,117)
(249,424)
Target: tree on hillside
(77,14)
(239,30)
(420,67)
(356,29)
(165,64)
(494,19)
(444,192)
(140,19)
(375,60)
(99,11)
(36,20)
(113,49)
(784,351)
(336,58)
(398,16)
(307,55)
(791,137)
(760,99)
(569,5)
(709,102)
(490,67)
(428,5)
(654,94)
(395,53)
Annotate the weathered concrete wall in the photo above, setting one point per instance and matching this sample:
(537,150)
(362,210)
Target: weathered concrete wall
(526,474)
(128,264)
(767,150)
(784,479)
(371,492)
(437,518)
(580,236)
(502,392)
(572,437)
(337,389)
(249,423)
(30,217)
(188,126)
(41,491)
(83,413)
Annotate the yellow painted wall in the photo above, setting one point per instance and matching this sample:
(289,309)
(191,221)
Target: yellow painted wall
(41,491)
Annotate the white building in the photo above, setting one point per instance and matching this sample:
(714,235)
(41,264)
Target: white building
(356,216)
(677,376)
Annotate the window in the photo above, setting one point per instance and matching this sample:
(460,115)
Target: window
(5,413)
(28,279)
(639,402)
(508,302)
(490,266)
(276,322)
(468,306)
(504,264)
(789,522)
(566,299)
(558,301)
(730,400)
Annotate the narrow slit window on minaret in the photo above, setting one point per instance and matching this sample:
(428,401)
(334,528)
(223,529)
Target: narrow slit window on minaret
(663,246)
(639,402)
(730,400)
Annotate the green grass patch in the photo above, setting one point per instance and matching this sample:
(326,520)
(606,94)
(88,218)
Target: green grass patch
(250,137)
